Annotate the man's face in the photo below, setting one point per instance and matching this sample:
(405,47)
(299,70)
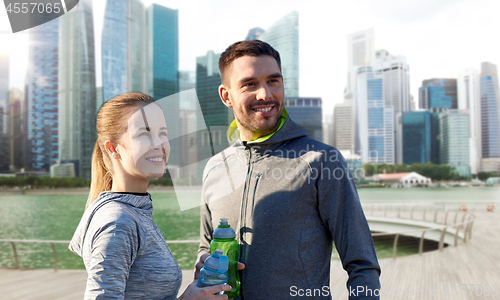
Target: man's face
(256,94)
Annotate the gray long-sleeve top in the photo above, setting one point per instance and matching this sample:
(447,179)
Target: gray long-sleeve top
(124,251)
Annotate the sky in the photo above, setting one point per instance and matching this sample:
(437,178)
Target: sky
(439,38)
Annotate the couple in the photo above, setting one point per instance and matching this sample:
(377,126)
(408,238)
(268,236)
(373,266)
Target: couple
(286,219)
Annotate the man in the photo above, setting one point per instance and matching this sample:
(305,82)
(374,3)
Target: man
(288,197)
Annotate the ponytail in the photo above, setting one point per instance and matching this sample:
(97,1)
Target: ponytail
(102,179)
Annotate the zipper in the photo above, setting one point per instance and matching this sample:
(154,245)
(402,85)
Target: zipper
(244,204)
(255,192)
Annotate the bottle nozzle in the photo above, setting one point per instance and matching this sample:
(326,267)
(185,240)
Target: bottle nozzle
(223,221)
(218,252)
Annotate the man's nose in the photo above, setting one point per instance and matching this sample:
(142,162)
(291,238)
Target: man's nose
(263,93)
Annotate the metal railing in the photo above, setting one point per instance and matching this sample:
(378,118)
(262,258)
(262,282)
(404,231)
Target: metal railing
(54,252)
(441,218)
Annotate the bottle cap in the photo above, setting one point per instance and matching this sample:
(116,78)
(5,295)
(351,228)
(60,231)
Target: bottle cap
(224,231)
(217,262)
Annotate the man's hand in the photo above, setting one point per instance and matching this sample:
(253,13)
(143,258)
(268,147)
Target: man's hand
(201,263)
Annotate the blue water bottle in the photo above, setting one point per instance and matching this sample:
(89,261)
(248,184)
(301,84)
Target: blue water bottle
(214,271)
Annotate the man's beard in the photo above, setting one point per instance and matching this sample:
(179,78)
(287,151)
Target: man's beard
(259,130)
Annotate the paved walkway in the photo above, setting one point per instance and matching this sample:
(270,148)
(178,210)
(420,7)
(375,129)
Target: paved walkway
(474,266)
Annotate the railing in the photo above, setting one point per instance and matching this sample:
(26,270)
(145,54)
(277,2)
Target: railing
(54,252)
(441,219)
(444,220)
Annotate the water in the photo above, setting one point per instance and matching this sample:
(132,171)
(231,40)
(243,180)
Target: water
(55,217)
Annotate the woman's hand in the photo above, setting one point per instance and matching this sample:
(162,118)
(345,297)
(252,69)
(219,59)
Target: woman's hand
(206,293)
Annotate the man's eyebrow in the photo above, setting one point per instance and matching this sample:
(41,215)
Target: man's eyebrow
(246,79)
(275,75)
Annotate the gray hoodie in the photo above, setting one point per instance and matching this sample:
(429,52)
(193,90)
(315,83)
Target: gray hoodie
(289,198)
(124,252)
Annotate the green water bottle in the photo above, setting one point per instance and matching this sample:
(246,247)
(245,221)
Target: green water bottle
(224,239)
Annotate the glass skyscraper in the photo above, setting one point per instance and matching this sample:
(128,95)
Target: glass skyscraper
(308,113)
(438,94)
(284,37)
(490,111)
(374,120)
(216,115)
(124,48)
(416,137)
(254,33)
(163,38)
(163,30)
(77,90)
(42,88)
(454,140)
(4,113)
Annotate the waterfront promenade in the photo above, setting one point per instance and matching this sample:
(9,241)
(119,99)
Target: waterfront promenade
(475,266)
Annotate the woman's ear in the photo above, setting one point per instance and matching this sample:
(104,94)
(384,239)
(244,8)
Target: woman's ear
(224,96)
(111,149)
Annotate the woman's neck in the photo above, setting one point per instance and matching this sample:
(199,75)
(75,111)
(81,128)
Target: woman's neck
(128,184)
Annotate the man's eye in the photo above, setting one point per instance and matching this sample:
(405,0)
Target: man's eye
(249,84)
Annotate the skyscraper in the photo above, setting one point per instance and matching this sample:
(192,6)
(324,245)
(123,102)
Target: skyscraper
(284,37)
(396,73)
(438,94)
(77,90)
(4,113)
(468,85)
(124,48)
(343,126)
(308,113)
(374,121)
(42,97)
(163,38)
(454,141)
(360,52)
(416,137)
(216,115)
(163,31)
(254,33)
(490,118)
(16,129)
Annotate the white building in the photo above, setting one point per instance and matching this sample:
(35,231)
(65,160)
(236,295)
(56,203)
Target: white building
(468,86)
(343,126)
(407,179)
(396,81)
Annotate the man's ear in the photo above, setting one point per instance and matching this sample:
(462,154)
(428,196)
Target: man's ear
(224,96)
(111,149)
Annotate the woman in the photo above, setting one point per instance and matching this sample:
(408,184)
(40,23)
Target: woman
(124,251)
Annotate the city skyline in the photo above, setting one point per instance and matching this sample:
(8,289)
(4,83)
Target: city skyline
(438,39)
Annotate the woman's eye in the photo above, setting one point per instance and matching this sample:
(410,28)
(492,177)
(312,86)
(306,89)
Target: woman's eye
(163,134)
(144,134)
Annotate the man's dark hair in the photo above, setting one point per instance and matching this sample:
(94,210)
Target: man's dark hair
(245,48)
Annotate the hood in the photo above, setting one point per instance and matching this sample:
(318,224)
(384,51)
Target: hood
(137,200)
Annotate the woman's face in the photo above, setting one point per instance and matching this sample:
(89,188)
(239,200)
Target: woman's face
(146,142)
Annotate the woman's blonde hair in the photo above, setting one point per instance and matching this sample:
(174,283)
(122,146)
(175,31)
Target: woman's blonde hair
(112,123)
